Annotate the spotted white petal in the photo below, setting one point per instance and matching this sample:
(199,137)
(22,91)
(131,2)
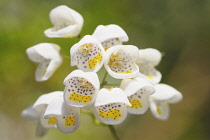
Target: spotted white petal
(42,102)
(150,56)
(67,117)
(137,92)
(30,114)
(41,130)
(110,106)
(120,61)
(167,93)
(47,54)
(112,31)
(159,109)
(87,54)
(67,22)
(81,88)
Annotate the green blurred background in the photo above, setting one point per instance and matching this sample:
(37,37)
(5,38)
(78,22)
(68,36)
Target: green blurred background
(178,28)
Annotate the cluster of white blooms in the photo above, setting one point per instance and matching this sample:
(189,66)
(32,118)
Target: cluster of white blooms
(139,90)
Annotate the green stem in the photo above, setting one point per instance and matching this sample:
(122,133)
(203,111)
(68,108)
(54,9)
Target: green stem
(103,82)
(113,131)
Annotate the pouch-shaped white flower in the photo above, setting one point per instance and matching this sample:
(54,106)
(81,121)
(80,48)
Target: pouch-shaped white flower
(120,61)
(110,106)
(137,92)
(81,88)
(87,54)
(148,59)
(48,57)
(67,22)
(160,100)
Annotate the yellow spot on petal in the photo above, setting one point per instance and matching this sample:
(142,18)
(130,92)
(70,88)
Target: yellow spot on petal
(80,98)
(92,63)
(126,72)
(70,121)
(109,89)
(66,36)
(159,111)
(149,77)
(135,104)
(106,48)
(52,120)
(115,114)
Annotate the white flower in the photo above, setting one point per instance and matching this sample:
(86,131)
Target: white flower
(36,112)
(120,61)
(67,117)
(81,88)
(87,54)
(137,92)
(47,54)
(110,35)
(31,115)
(110,106)
(148,59)
(66,21)
(160,100)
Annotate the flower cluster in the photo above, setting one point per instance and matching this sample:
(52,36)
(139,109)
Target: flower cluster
(139,88)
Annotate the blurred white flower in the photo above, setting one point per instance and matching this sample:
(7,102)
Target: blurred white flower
(81,88)
(87,54)
(110,106)
(36,113)
(110,35)
(67,117)
(137,92)
(120,61)
(66,21)
(160,100)
(148,59)
(47,54)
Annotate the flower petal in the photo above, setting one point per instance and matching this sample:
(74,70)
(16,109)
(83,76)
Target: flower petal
(42,102)
(111,114)
(150,73)
(81,88)
(66,21)
(47,123)
(120,61)
(159,109)
(40,130)
(30,114)
(87,54)
(67,117)
(150,56)
(103,33)
(137,92)
(111,42)
(166,92)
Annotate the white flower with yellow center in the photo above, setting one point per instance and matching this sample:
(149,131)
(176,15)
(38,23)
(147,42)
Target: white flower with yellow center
(148,59)
(110,35)
(67,117)
(160,100)
(48,57)
(110,106)
(36,113)
(81,88)
(120,61)
(87,54)
(66,21)
(137,92)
